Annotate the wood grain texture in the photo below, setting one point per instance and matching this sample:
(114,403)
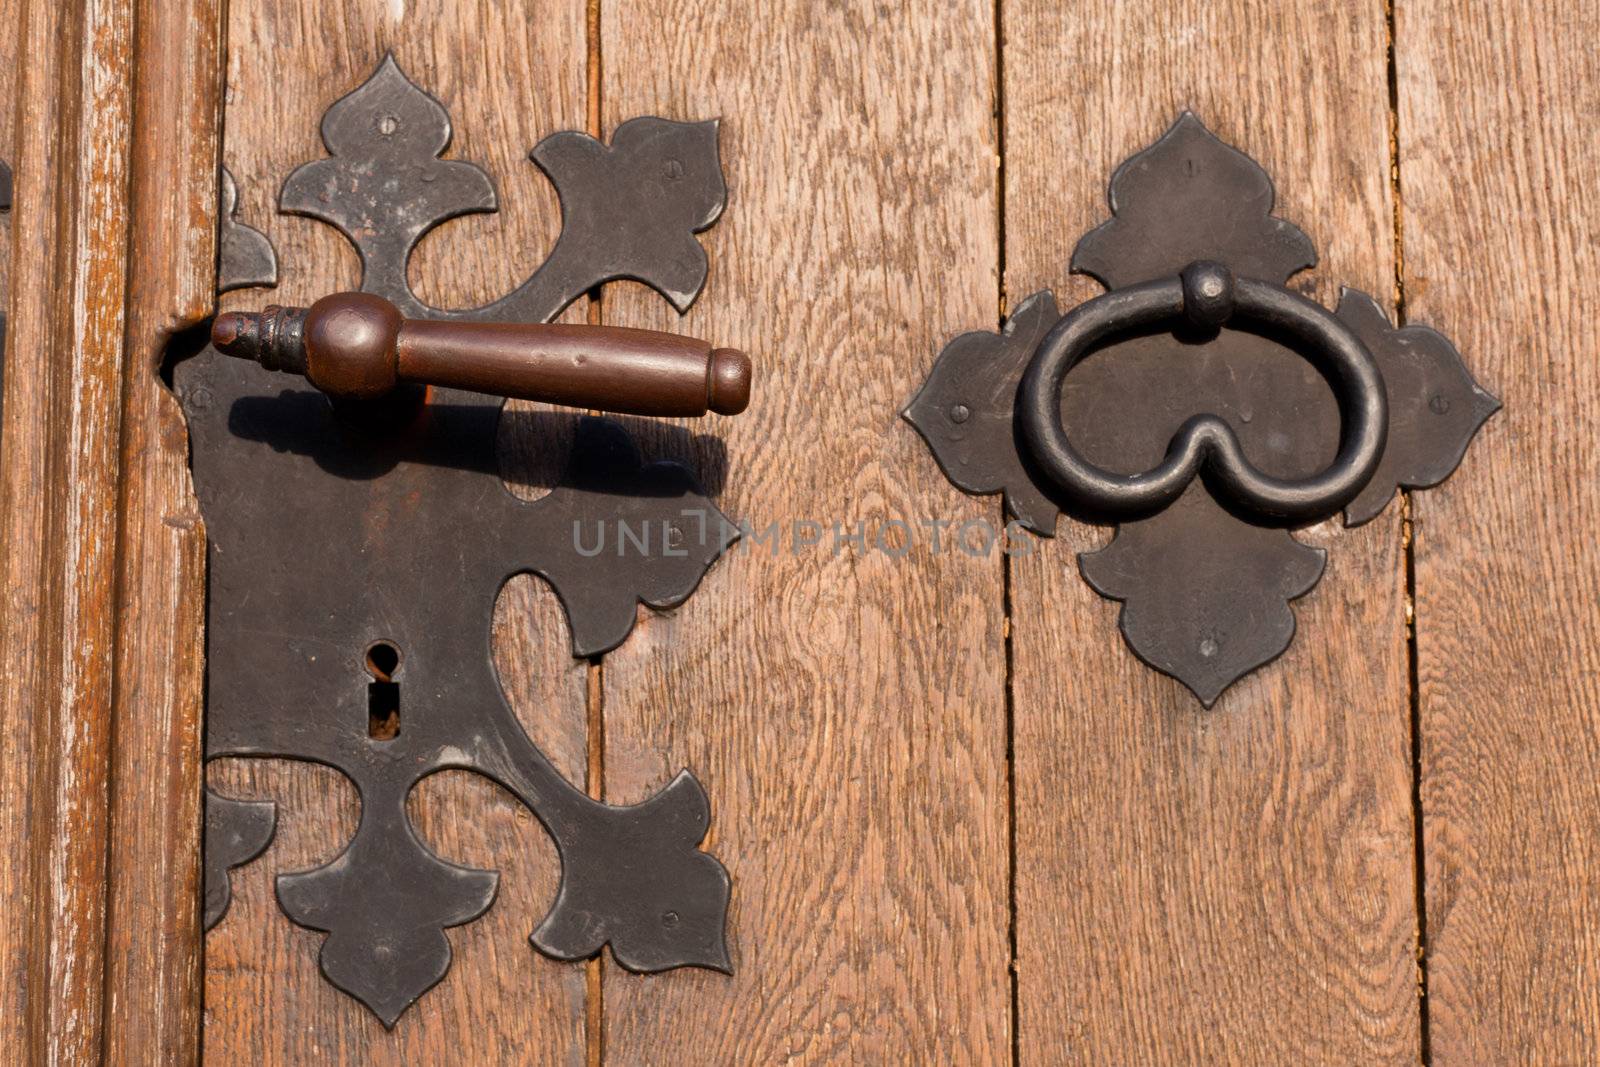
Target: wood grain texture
(58,520)
(1231,886)
(509,74)
(1498,154)
(153,923)
(845,710)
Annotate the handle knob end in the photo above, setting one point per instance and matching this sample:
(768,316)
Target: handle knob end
(272,337)
(728,381)
(232,331)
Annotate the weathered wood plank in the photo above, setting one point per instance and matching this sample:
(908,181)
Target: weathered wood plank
(153,924)
(1233,885)
(1497,165)
(58,519)
(501,1002)
(844,710)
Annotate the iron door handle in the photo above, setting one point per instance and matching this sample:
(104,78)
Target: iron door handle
(359,346)
(1208,296)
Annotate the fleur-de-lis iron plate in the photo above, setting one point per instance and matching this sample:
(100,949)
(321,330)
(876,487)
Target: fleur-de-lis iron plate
(353,548)
(1203,426)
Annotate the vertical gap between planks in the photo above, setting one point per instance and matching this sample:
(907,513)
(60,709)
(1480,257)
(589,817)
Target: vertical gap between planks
(204,592)
(594,969)
(594,702)
(999,93)
(1408,545)
(118,547)
(1011,811)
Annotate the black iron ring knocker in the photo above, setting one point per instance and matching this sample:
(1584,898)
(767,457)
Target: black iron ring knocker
(1203,559)
(1206,295)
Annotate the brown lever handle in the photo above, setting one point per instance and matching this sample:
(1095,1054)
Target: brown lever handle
(358,345)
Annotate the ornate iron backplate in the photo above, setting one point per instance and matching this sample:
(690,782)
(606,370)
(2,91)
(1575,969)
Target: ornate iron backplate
(1305,412)
(359,547)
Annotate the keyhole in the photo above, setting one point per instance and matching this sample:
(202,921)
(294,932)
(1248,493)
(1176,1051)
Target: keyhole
(383,692)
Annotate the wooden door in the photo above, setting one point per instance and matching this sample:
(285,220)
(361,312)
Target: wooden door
(963,822)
